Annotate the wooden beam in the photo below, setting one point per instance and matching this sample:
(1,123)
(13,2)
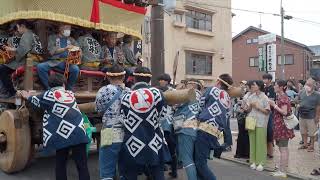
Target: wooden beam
(28,74)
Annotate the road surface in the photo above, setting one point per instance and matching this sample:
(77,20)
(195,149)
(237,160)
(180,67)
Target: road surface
(43,169)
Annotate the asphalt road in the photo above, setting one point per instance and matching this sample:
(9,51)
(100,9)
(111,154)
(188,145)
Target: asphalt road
(43,169)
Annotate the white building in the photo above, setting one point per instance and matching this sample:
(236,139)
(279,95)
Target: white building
(199,34)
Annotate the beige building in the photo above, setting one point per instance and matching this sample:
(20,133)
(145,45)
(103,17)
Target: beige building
(198,34)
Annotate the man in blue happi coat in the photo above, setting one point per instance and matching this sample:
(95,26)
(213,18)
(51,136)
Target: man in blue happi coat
(167,126)
(29,44)
(63,128)
(108,103)
(185,126)
(58,47)
(213,124)
(144,143)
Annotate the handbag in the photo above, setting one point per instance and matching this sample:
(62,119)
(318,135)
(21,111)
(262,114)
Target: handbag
(290,121)
(250,123)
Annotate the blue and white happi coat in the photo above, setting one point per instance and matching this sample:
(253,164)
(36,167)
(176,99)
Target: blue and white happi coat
(144,142)
(108,103)
(62,120)
(187,113)
(166,119)
(215,106)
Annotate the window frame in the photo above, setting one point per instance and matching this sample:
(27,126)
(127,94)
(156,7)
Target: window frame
(202,21)
(255,41)
(285,59)
(178,14)
(195,72)
(254,58)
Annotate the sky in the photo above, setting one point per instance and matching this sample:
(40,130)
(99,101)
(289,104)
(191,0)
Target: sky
(306,33)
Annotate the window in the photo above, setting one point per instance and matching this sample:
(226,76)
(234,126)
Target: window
(254,62)
(288,59)
(198,64)
(252,41)
(199,20)
(178,18)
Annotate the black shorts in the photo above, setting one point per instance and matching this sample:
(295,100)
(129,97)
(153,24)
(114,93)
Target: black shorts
(282,143)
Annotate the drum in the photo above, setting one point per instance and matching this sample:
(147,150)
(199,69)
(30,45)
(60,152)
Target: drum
(5,56)
(74,56)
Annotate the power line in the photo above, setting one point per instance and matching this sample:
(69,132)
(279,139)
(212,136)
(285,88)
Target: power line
(230,8)
(306,21)
(302,20)
(304,12)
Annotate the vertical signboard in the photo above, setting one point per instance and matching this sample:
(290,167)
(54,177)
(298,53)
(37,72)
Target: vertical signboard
(271,57)
(262,58)
(267,54)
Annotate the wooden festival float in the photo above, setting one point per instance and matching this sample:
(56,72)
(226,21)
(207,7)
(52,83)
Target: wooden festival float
(20,125)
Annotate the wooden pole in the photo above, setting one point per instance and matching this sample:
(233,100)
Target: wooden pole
(87,107)
(171,97)
(28,74)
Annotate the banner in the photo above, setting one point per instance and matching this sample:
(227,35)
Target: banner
(262,58)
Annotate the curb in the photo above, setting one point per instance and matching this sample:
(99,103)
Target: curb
(292,175)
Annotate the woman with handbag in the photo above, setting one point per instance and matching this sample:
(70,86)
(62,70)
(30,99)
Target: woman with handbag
(256,124)
(243,145)
(282,134)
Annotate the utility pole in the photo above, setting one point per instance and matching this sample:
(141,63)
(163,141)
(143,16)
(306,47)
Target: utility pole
(282,43)
(260,25)
(157,41)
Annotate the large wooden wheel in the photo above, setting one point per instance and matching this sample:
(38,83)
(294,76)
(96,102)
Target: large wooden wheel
(15,141)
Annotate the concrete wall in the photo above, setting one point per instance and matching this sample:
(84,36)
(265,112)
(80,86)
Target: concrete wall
(243,51)
(217,43)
